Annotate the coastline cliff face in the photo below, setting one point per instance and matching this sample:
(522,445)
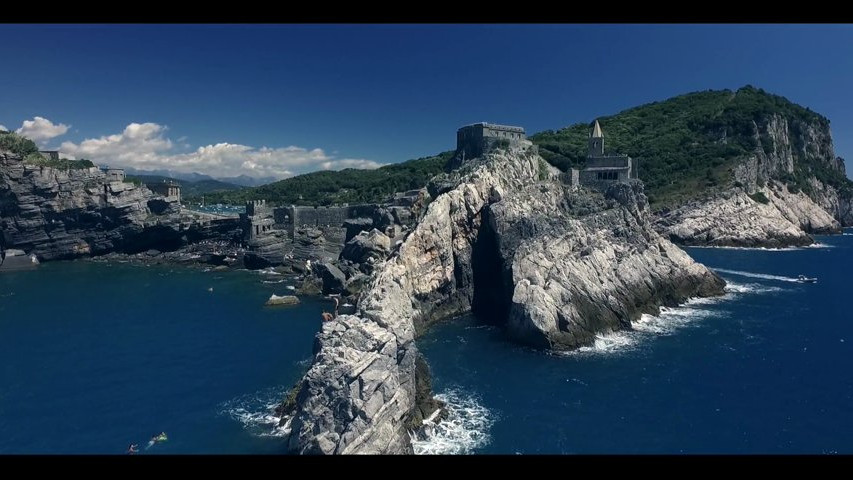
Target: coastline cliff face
(702,156)
(368,387)
(578,264)
(62,214)
(360,392)
(736,219)
(785,190)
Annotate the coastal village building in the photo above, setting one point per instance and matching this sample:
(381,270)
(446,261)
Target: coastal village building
(257,220)
(475,139)
(166,189)
(114,174)
(50,155)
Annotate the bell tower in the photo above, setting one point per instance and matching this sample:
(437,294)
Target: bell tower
(596,141)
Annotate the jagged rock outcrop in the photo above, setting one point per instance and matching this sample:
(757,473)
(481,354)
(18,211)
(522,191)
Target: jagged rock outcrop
(265,250)
(787,151)
(367,245)
(785,148)
(360,392)
(58,214)
(736,219)
(334,280)
(363,391)
(564,278)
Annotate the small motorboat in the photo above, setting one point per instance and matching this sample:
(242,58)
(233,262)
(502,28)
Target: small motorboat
(805,279)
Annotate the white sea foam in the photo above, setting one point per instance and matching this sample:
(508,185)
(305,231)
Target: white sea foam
(667,322)
(273,281)
(761,249)
(268,271)
(465,429)
(256,411)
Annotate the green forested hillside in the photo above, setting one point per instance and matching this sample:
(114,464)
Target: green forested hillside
(345,186)
(690,143)
(188,189)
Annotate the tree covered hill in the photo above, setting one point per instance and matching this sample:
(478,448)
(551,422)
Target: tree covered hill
(684,147)
(689,145)
(344,186)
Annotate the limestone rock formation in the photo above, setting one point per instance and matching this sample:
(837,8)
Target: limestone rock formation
(334,280)
(366,245)
(276,300)
(784,150)
(59,214)
(563,279)
(361,393)
(740,220)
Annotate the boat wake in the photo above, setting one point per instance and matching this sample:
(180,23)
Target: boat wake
(757,275)
(465,429)
(256,411)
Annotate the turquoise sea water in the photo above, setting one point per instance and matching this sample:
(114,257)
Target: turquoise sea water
(95,356)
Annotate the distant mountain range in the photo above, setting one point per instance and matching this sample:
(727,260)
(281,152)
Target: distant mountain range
(189,188)
(242,180)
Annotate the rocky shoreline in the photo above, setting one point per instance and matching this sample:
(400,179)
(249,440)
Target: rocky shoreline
(60,214)
(772,217)
(493,231)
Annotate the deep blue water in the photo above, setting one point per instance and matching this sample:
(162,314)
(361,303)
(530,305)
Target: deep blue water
(96,356)
(767,369)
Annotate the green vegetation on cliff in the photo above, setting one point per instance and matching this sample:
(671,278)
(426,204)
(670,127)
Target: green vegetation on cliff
(17,144)
(690,144)
(345,186)
(27,149)
(62,163)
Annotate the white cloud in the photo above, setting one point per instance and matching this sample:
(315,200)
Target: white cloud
(145,146)
(3,127)
(40,129)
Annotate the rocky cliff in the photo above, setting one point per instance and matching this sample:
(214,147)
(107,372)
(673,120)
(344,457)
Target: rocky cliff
(701,154)
(772,217)
(790,186)
(575,264)
(60,214)
(365,390)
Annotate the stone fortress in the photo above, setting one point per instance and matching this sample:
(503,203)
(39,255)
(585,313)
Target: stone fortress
(478,138)
(601,169)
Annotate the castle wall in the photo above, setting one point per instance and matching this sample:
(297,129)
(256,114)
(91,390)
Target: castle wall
(293,217)
(475,139)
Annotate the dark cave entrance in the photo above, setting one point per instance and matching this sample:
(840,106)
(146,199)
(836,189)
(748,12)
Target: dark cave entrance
(491,298)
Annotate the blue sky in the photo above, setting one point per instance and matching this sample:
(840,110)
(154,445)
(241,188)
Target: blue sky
(286,99)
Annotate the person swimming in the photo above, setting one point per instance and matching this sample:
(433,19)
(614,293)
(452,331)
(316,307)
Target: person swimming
(132,449)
